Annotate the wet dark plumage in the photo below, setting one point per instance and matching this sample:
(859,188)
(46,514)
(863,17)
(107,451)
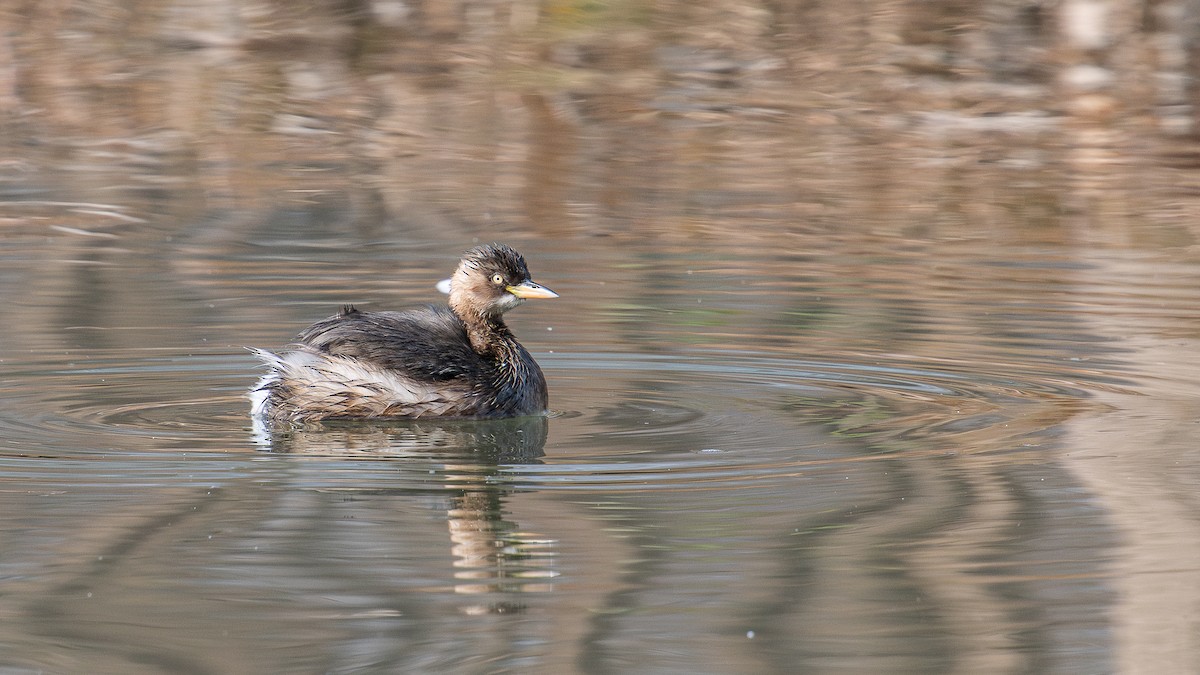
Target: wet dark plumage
(456,361)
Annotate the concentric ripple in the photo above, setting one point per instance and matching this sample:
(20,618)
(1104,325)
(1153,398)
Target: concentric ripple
(125,403)
(736,421)
(621,421)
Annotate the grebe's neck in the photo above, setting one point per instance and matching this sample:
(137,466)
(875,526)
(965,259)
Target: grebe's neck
(516,382)
(489,335)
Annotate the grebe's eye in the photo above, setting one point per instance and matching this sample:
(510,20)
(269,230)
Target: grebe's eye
(497,279)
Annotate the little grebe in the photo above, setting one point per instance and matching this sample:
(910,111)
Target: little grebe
(460,361)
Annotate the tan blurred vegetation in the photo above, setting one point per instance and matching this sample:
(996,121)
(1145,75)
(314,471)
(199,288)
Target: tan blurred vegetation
(679,117)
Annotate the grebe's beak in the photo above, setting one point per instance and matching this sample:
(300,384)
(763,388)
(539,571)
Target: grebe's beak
(527,289)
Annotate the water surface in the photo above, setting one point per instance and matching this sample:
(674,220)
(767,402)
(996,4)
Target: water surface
(837,384)
(751,461)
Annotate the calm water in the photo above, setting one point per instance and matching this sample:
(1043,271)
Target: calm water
(757,461)
(837,385)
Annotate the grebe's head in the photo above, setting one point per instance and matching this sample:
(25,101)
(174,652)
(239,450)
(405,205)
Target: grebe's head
(490,280)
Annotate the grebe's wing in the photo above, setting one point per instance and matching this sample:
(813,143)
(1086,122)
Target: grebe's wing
(427,343)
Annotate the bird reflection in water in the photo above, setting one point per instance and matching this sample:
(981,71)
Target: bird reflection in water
(493,558)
